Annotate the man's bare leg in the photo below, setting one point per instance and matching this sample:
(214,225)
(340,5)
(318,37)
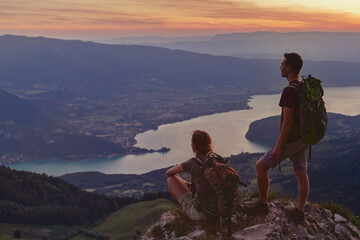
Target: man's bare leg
(262,180)
(303,188)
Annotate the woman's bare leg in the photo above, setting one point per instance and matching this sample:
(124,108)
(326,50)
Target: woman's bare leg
(177,186)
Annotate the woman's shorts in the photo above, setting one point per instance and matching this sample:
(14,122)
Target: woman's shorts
(188,206)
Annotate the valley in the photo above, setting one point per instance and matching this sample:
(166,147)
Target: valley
(113,92)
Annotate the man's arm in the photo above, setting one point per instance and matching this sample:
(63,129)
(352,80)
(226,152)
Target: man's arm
(284,132)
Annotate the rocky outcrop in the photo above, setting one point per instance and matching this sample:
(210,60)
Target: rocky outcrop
(319,224)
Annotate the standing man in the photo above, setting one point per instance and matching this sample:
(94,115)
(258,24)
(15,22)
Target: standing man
(289,145)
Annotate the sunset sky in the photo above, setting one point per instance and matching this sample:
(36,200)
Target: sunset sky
(106,19)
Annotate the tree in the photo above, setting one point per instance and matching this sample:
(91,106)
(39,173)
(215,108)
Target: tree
(17,233)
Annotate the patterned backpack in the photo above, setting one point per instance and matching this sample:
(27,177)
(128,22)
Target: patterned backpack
(223,180)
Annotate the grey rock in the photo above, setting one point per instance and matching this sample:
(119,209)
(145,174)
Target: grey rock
(317,216)
(354,229)
(330,221)
(289,206)
(316,209)
(271,216)
(256,232)
(321,225)
(273,210)
(318,225)
(339,218)
(306,223)
(234,218)
(326,213)
(276,202)
(302,230)
(340,230)
(315,228)
(183,238)
(350,236)
(198,234)
(166,218)
(218,234)
(308,207)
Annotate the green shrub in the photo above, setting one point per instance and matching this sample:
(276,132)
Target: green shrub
(345,212)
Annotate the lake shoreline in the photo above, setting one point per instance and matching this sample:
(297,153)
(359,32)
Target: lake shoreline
(132,149)
(228,130)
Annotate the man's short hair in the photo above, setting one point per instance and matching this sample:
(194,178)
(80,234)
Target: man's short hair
(294,60)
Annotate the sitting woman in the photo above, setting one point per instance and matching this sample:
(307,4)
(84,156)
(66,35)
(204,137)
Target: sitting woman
(201,144)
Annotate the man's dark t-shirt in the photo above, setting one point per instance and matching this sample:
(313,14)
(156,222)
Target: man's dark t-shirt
(290,98)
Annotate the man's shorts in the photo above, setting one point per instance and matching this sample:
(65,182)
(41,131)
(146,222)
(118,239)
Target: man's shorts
(296,151)
(188,206)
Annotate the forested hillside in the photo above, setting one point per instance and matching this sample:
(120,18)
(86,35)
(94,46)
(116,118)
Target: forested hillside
(132,185)
(39,199)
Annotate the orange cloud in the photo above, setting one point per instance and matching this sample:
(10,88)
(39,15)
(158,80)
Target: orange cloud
(161,16)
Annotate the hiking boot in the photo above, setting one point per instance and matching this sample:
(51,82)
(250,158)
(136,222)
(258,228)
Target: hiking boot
(257,209)
(295,215)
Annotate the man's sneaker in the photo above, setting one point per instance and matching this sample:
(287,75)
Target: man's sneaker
(295,215)
(257,209)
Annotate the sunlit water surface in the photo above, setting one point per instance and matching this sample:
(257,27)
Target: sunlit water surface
(227,130)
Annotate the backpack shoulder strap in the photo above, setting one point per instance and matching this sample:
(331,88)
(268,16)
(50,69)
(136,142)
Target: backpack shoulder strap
(217,156)
(294,85)
(199,161)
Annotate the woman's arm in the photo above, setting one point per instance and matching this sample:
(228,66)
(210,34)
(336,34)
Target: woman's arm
(174,170)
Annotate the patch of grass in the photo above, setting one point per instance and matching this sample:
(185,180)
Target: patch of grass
(311,219)
(254,194)
(272,196)
(81,237)
(124,223)
(284,198)
(184,225)
(179,226)
(36,231)
(345,212)
(157,232)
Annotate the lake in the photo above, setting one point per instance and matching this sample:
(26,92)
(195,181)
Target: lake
(226,129)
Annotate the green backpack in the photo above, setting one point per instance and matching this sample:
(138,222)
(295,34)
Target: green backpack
(312,112)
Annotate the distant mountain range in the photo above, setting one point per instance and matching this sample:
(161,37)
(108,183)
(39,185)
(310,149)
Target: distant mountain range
(42,63)
(113,92)
(336,46)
